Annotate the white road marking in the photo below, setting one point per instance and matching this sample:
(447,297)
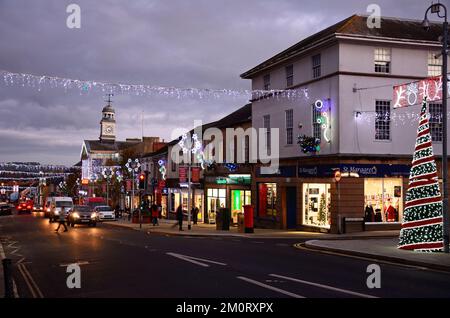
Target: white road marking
(281,291)
(195,259)
(30,281)
(340,290)
(78,263)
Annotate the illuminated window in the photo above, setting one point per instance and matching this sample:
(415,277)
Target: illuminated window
(267,199)
(383,199)
(317,204)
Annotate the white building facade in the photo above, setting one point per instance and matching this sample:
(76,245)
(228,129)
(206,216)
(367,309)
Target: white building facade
(348,72)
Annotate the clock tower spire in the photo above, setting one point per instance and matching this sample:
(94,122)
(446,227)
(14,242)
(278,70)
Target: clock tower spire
(108,122)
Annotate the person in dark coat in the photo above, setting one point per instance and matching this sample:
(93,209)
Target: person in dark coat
(180,217)
(155,214)
(194,212)
(61,220)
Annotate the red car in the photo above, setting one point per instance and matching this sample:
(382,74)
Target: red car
(25,207)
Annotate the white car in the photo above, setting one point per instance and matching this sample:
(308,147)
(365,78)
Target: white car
(105,213)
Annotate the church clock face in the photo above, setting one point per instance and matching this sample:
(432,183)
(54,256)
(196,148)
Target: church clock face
(109,129)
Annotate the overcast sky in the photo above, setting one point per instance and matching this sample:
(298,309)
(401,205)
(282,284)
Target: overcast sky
(184,43)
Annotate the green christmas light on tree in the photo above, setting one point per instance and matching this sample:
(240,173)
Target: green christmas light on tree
(422,227)
(322,216)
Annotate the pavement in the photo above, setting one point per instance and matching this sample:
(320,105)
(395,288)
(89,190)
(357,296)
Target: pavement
(169,227)
(117,262)
(384,249)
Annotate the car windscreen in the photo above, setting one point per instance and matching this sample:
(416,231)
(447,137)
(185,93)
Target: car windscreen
(64,204)
(103,208)
(82,209)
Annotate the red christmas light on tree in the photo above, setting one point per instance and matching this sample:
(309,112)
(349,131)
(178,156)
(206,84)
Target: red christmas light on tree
(422,226)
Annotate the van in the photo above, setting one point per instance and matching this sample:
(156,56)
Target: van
(47,205)
(55,207)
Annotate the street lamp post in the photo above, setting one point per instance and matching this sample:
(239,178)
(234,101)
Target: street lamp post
(107,174)
(195,148)
(133,167)
(436,8)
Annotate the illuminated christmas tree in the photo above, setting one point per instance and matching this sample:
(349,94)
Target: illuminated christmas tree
(422,228)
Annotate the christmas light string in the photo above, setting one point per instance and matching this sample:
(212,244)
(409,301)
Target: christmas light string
(84,86)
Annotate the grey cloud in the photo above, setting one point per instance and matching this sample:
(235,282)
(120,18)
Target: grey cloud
(182,43)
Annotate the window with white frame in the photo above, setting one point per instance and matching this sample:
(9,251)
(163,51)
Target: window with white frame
(382,60)
(316,63)
(289,119)
(316,125)
(289,75)
(266,123)
(436,122)
(267,82)
(383,120)
(434,64)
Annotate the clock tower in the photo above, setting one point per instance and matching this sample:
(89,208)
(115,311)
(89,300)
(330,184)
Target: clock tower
(108,123)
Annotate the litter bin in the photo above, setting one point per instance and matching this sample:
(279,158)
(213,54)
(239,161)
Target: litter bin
(241,223)
(219,221)
(248,218)
(223,218)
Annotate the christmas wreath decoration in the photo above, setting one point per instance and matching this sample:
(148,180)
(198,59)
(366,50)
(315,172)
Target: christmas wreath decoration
(309,144)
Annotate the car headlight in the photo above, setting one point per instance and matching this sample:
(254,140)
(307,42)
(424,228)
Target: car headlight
(48,209)
(76,215)
(56,212)
(93,215)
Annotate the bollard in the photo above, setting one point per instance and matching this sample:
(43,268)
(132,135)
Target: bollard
(7,271)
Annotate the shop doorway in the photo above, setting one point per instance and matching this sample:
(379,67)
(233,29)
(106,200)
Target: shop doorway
(239,198)
(291,207)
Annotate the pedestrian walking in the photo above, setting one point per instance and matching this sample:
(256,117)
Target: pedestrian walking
(180,217)
(62,220)
(155,214)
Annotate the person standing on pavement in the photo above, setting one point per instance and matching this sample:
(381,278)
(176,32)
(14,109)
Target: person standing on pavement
(180,217)
(155,214)
(194,213)
(62,220)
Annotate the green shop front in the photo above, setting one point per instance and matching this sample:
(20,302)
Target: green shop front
(231,191)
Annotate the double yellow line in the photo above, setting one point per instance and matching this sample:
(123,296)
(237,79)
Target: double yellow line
(32,286)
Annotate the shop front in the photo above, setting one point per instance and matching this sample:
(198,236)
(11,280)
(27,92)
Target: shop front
(179,196)
(231,191)
(310,198)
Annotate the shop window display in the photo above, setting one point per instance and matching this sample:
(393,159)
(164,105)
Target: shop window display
(317,204)
(216,200)
(383,200)
(267,199)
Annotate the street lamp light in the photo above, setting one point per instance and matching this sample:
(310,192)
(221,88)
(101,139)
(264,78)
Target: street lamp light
(436,8)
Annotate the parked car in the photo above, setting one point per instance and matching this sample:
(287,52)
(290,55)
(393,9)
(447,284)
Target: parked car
(105,213)
(82,214)
(25,206)
(5,209)
(57,204)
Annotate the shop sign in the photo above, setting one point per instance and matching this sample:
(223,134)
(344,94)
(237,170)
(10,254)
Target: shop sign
(195,174)
(361,170)
(283,171)
(182,174)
